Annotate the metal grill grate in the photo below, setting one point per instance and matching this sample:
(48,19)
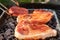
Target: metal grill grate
(2,13)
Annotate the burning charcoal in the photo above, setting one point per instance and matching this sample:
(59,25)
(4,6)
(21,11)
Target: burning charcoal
(6,21)
(11,25)
(2,34)
(9,32)
(1,37)
(59,38)
(3,29)
(11,37)
(11,20)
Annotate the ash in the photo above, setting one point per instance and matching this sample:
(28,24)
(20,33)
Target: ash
(7,29)
(9,24)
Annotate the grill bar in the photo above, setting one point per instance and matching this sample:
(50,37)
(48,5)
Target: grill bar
(3,6)
(3,12)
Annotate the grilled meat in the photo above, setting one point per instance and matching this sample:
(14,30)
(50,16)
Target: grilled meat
(34,31)
(15,11)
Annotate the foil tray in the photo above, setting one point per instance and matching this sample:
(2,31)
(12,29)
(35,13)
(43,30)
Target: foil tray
(6,22)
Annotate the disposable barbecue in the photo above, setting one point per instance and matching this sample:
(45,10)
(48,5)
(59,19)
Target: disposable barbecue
(32,26)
